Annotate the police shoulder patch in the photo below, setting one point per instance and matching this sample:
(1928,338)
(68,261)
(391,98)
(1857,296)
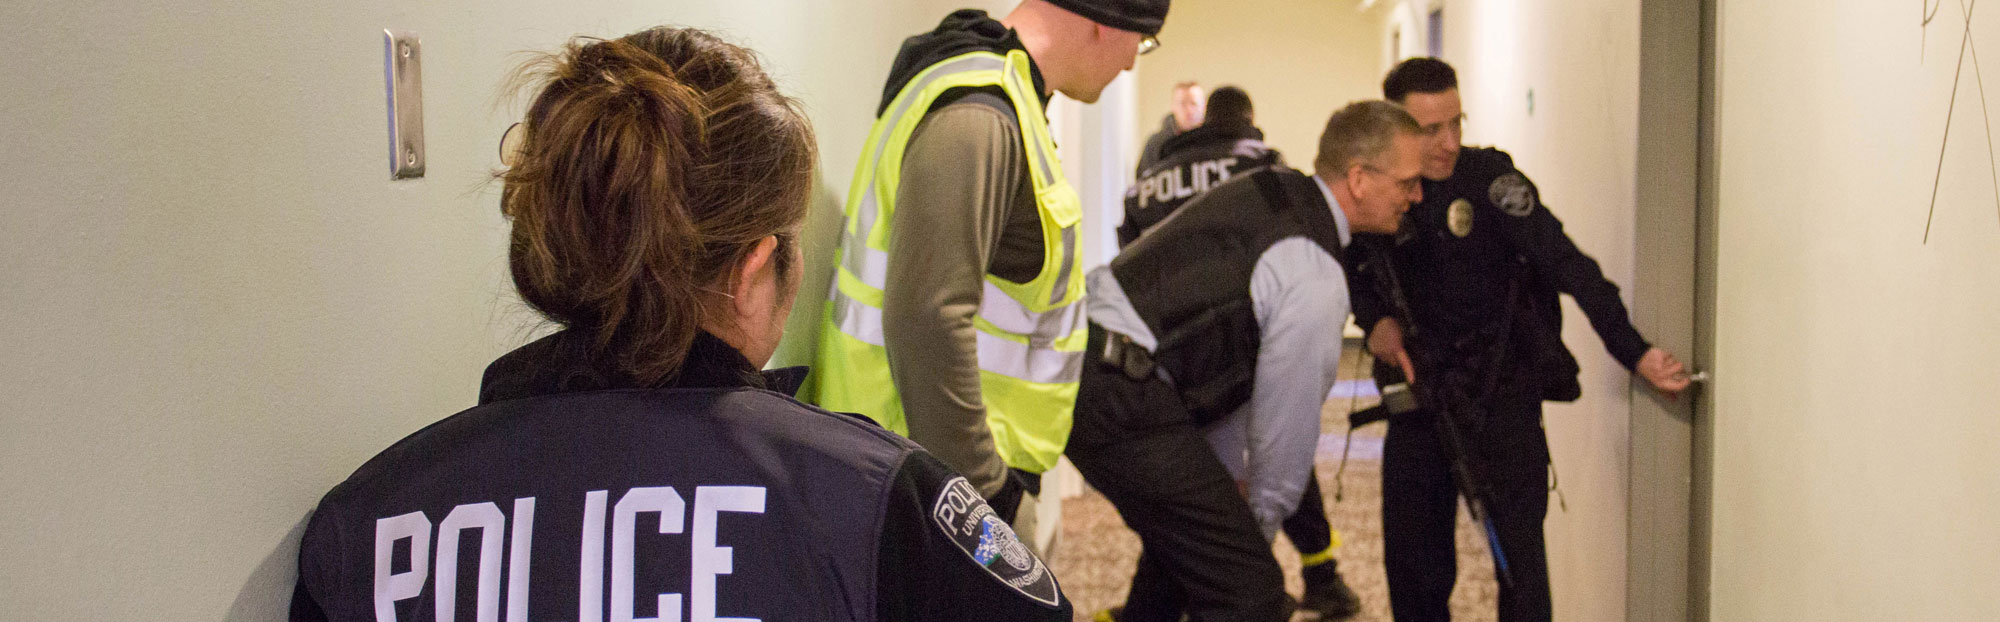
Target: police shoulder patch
(1513,194)
(964,517)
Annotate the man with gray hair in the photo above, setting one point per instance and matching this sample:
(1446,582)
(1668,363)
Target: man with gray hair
(1213,341)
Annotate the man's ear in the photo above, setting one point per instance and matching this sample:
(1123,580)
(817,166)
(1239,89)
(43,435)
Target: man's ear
(1353,178)
(758,265)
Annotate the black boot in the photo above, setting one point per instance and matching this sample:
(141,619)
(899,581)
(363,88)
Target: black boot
(1327,594)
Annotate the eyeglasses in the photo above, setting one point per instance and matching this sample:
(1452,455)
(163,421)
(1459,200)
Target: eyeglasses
(1148,44)
(1409,184)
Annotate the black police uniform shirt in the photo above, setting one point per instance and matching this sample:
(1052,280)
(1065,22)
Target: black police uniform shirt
(1190,164)
(571,495)
(1482,254)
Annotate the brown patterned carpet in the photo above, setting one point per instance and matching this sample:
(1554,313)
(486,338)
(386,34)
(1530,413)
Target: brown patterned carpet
(1095,554)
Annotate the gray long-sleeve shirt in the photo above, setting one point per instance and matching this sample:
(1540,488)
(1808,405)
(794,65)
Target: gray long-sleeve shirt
(965,207)
(1298,293)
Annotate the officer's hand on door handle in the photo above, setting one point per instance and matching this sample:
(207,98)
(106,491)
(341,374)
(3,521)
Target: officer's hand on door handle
(1385,341)
(1666,373)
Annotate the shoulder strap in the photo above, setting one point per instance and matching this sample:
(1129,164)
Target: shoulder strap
(1270,186)
(1276,188)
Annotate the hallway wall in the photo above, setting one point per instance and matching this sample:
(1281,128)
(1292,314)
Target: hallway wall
(217,303)
(1579,144)
(1299,60)
(1854,436)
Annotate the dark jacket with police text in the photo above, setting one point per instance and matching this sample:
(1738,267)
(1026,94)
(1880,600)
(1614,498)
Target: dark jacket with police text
(1481,262)
(1190,164)
(572,493)
(1150,153)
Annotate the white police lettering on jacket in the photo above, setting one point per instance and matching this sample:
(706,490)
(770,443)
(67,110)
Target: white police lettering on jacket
(709,561)
(1179,183)
(574,495)
(1190,165)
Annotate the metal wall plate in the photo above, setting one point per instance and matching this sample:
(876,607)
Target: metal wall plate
(402,69)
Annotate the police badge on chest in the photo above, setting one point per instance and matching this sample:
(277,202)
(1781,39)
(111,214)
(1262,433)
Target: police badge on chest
(1459,218)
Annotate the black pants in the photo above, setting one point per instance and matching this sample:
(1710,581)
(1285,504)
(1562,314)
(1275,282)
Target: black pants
(1307,527)
(1420,510)
(1204,555)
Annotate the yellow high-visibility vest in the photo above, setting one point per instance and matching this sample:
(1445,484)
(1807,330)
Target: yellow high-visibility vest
(1030,335)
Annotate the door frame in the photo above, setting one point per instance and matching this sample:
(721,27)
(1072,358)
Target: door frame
(1666,536)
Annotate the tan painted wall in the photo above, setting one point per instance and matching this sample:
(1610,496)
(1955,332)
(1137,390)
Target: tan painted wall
(1580,58)
(1855,436)
(1299,59)
(218,305)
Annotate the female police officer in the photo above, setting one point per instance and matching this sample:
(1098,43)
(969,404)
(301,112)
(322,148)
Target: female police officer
(635,464)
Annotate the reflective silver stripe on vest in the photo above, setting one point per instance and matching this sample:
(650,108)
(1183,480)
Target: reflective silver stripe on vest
(1068,264)
(1032,146)
(1040,158)
(866,263)
(1043,365)
(857,319)
(1036,361)
(1041,329)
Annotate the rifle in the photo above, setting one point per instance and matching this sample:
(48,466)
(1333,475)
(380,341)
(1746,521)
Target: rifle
(1447,405)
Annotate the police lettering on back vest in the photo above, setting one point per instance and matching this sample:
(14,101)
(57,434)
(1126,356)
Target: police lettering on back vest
(1191,164)
(574,493)
(1031,335)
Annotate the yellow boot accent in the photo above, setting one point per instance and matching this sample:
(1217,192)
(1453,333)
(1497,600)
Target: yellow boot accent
(1325,556)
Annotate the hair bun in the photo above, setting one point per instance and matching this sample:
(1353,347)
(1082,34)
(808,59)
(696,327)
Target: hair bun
(651,167)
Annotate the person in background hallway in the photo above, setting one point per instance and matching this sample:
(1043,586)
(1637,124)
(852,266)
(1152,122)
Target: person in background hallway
(1227,144)
(1227,317)
(1480,263)
(957,317)
(1186,114)
(655,203)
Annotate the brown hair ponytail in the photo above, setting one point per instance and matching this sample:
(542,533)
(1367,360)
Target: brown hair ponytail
(652,165)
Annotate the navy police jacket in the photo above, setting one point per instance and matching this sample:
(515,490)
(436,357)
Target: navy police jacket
(1482,256)
(1190,164)
(570,494)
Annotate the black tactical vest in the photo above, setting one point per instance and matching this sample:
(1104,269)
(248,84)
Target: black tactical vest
(1189,280)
